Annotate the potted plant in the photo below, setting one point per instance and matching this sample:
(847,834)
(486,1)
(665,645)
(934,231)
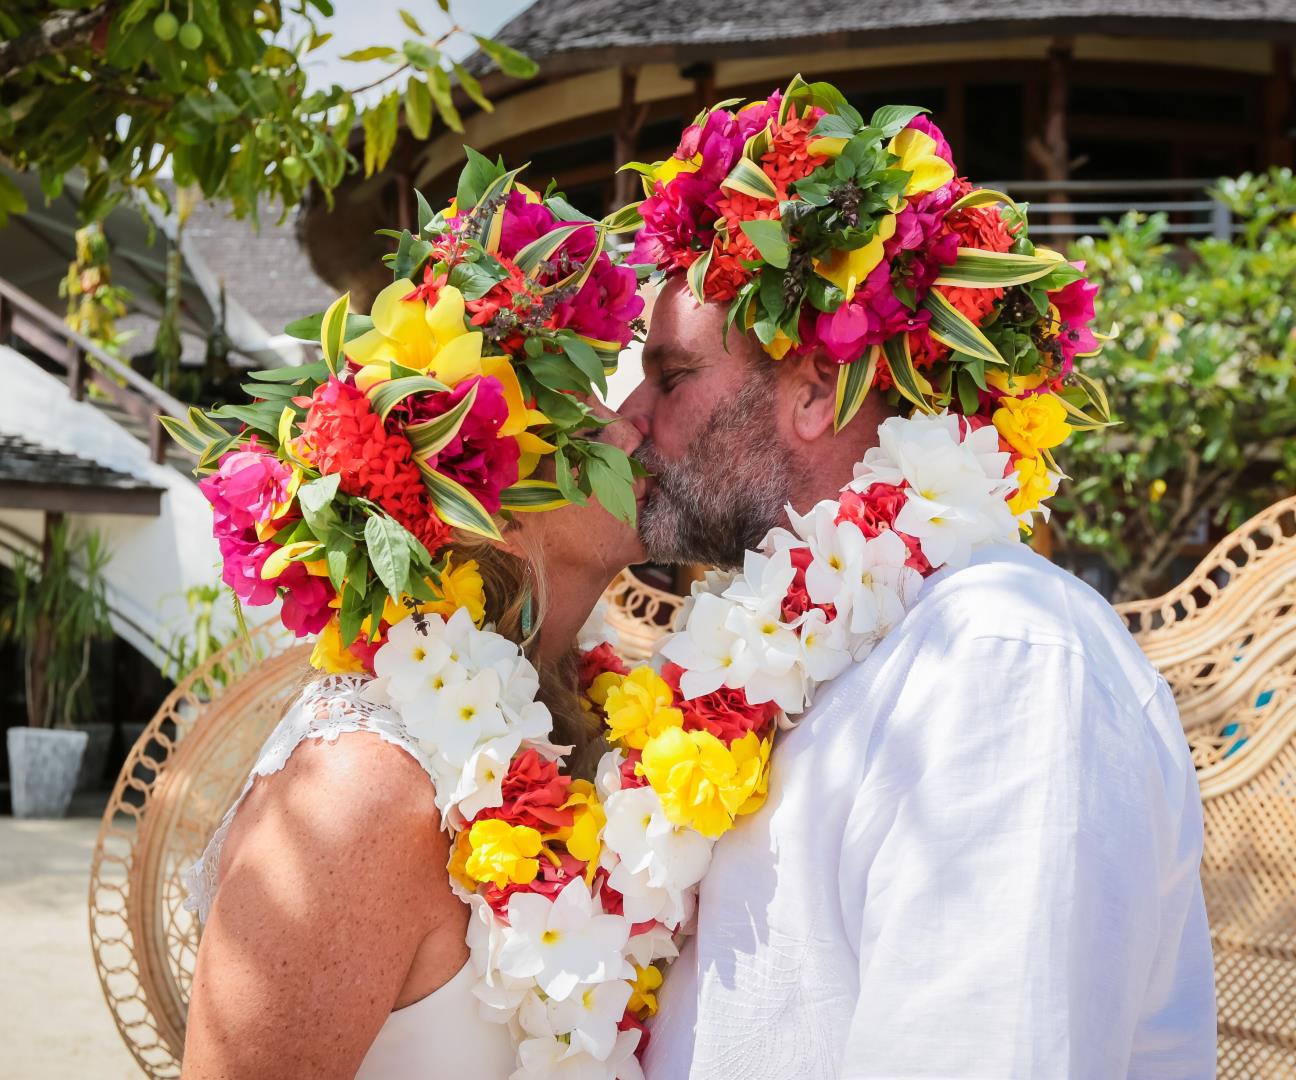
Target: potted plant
(58,608)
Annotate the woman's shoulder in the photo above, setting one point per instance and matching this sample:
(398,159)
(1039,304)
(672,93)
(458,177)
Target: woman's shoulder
(339,784)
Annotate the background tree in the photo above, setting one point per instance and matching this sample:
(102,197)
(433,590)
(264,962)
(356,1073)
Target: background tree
(214,90)
(1201,377)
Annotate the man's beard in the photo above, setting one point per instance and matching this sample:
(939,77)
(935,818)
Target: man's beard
(728,490)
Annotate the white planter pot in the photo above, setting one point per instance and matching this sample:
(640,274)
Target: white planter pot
(43,768)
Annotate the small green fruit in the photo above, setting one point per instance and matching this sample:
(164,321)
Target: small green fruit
(264,131)
(292,167)
(165,26)
(191,36)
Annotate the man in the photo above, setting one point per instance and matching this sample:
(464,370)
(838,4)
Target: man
(979,855)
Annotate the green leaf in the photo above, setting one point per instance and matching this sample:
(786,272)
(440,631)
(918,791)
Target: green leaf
(527,496)
(387,395)
(425,212)
(626,219)
(543,248)
(969,397)
(509,60)
(457,506)
(439,85)
(333,332)
(389,552)
(769,240)
(696,276)
(977,269)
(587,360)
(892,119)
(983,197)
(911,385)
(472,87)
(313,372)
(411,22)
(316,501)
(336,560)
(373,52)
(749,178)
(418,109)
(422,55)
(430,437)
(564,479)
(951,327)
(411,252)
(310,327)
(614,492)
(184,436)
(477,175)
(853,384)
(475,279)
(12,200)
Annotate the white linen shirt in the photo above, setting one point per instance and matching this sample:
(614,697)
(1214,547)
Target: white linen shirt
(978,859)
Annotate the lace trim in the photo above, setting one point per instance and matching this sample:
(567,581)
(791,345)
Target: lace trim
(329,707)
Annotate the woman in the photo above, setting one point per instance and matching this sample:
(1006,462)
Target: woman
(359,496)
(335,945)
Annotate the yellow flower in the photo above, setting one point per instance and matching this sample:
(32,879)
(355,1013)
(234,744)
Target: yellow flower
(279,559)
(1157,490)
(1032,424)
(776,349)
(603,683)
(330,655)
(641,706)
(503,854)
(461,587)
(667,170)
(1035,484)
(701,782)
(827,145)
(582,837)
(846,269)
(918,157)
(643,996)
(458,865)
(1013,385)
(435,341)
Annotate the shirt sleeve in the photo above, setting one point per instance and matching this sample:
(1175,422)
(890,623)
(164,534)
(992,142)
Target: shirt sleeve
(1001,870)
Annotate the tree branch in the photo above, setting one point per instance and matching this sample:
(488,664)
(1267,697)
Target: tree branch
(53,35)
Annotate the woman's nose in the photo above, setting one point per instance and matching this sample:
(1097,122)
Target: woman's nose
(622,433)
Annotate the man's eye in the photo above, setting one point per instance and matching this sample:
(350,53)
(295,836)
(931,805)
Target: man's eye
(670,378)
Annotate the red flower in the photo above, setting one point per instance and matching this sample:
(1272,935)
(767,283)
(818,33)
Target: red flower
(598,660)
(725,713)
(549,882)
(875,511)
(797,601)
(533,791)
(347,438)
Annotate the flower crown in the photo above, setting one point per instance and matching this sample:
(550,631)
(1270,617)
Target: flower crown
(339,490)
(826,232)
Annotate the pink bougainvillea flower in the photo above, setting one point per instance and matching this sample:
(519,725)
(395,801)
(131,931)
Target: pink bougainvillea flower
(307,599)
(873,315)
(924,123)
(246,489)
(1074,305)
(477,457)
(242,557)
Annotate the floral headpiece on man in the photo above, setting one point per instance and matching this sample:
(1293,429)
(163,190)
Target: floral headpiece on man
(338,489)
(822,230)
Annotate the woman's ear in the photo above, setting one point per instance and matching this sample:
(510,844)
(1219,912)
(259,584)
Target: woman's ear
(814,397)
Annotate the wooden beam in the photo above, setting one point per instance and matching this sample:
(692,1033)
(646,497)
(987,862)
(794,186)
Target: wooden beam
(1050,148)
(625,137)
(56,499)
(1277,108)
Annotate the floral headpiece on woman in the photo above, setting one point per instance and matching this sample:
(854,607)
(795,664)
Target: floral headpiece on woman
(821,230)
(340,487)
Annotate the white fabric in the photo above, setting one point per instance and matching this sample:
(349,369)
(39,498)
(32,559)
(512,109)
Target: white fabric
(979,859)
(443,1034)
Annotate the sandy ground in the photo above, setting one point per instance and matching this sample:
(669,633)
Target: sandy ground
(53,1020)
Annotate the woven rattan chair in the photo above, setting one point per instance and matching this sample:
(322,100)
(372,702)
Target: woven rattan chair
(1226,642)
(640,614)
(184,771)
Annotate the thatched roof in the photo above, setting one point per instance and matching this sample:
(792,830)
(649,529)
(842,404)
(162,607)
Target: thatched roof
(578,34)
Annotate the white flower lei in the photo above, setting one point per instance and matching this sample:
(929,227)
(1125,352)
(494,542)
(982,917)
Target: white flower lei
(555,963)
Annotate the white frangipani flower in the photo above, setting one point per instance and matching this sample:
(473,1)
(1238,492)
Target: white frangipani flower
(590,1016)
(481,779)
(712,583)
(655,943)
(653,863)
(711,654)
(551,1058)
(564,942)
(461,717)
(825,651)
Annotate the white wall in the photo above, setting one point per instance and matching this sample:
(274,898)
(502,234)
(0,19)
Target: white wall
(154,559)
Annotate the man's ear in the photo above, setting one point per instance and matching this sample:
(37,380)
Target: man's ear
(814,396)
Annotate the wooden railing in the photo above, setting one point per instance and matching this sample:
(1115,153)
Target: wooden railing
(25,320)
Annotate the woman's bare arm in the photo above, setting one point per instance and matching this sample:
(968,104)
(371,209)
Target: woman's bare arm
(332,876)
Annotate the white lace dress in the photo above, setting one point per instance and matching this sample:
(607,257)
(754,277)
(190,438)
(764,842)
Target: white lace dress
(444,1034)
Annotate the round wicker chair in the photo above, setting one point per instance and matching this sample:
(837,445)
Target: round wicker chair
(179,778)
(1225,640)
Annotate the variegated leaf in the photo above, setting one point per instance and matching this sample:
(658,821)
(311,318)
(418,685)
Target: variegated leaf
(457,506)
(387,395)
(853,384)
(333,331)
(912,386)
(532,496)
(977,269)
(951,327)
(430,437)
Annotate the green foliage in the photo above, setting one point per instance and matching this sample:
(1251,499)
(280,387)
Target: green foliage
(57,609)
(217,88)
(197,641)
(1200,375)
